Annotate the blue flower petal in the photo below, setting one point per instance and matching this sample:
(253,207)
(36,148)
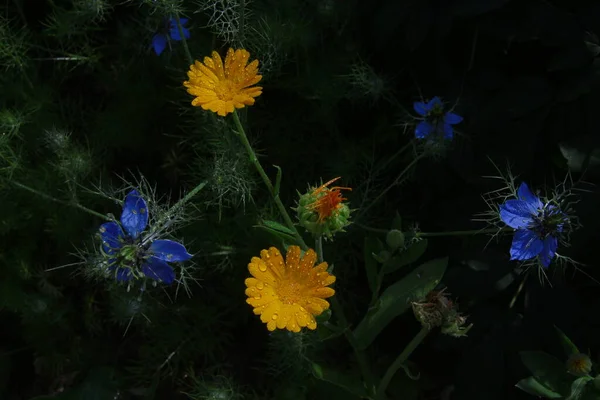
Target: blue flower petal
(423,130)
(525,245)
(183,21)
(452,119)
(549,250)
(174,33)
(158,270)
(168,250)
(421,108)
(159,43)
(111,235)
(448,131)
(527,195)
(436,101)
(135,214)
(516,214)
(122,274)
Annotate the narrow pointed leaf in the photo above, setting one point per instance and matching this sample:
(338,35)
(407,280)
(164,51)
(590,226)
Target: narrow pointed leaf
(397,298)
(407,256)
(372,248)
(352,384)
(567,344)
(547,370)
(533,387)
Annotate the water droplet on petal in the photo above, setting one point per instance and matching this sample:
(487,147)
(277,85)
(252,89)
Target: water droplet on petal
(262,267)
(260,285)
(257,297)
(274,317)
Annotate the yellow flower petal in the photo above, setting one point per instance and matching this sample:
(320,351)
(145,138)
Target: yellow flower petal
(222,87)
(288,295)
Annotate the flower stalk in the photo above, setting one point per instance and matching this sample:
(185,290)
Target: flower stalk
(337,309)
(399,361)
(66,203)
(254,160)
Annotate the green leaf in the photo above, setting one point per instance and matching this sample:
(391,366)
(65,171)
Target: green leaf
(397,298)
(278,230)
(352,384)
(277,181)
(397,222)
(547,370)
(372,247)
(407,256)
(579,387)
(567,344)
(532,386)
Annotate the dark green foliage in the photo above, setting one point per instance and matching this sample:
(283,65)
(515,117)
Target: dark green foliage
(89,111)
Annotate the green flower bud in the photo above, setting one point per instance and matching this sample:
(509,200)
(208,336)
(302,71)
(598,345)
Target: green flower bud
(395,239)
(322,212)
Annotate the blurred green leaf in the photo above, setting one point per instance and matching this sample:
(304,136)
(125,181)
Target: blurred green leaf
(397,298)
(547,370)
(372,248)
(579,387)
(567,344)
(352,384)
(407,256)
(397,222)
(532,386)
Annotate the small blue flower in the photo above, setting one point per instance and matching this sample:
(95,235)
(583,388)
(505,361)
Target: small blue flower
(159,41)
(435,119)
(537,226)
(131,257)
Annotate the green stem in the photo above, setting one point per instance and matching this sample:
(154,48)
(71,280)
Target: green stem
(400,360)
(66,203)
(337,309)
(180,203)
(184,41)
(254,160)
(437,234)
(387,189)
(386,163)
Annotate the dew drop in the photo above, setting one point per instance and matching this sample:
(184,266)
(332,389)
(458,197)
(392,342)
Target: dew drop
(257,297)
(262,267)
(274,317)
(260,285)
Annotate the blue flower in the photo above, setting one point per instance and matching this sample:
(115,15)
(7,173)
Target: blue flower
(129,256)
(435,119)
(159,41)
(537,226)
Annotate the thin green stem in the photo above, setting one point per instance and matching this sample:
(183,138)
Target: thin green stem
(400,360)
(188,54)
(387,162)
(337,309)
(438,234)
(254,160)
(394,183)
(66,203)
(181,203)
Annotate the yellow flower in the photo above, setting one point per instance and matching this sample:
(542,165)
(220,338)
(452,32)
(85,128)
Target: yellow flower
(220,88)
(288,295)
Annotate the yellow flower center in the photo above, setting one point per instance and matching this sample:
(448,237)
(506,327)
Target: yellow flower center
(225,90)
(290,291)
